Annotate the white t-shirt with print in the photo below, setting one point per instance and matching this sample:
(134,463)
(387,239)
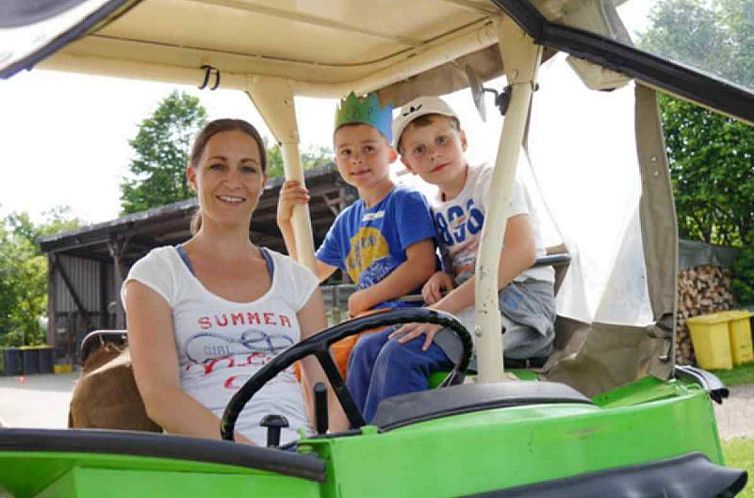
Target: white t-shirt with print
(222,343)
(459,224)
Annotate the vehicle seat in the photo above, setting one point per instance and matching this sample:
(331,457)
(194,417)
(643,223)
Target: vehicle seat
(559,259)
(105,396)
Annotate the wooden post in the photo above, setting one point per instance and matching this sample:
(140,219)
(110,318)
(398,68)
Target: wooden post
(104,317)
(52,329)
(117,248)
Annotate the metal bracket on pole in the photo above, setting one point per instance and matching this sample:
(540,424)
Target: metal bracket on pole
(521,58)
(273,98)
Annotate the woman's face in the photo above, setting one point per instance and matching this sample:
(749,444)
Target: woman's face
(228,178)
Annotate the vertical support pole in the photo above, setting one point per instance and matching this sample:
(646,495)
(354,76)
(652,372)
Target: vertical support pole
(521,58)
(52,329)
(273,98)
(104,321)
(117,249)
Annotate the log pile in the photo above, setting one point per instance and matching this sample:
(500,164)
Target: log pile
(701,290)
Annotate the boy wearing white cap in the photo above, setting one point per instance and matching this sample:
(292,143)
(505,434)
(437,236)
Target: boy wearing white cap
(431,143)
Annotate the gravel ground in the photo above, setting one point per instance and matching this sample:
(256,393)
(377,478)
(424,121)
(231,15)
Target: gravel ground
(39,401)
(735,417)
(42,401)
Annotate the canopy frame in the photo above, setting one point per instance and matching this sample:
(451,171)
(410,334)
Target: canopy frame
(521,59)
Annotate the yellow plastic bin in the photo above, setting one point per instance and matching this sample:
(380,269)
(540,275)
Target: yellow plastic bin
(711,340)
(739,328)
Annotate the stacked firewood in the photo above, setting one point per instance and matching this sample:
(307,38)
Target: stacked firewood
(701,290)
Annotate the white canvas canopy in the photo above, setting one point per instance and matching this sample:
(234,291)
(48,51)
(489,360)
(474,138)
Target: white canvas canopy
(619,300)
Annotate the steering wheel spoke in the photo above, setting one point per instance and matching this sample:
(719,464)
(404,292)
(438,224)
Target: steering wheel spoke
(355,418)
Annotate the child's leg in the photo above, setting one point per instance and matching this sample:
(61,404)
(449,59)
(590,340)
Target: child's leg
(361,363)
(528,315)
(402,368)
(522,342)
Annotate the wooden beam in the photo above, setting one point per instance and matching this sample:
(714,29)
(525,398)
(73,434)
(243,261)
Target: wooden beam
(104,322)
(51,302)
(117,247)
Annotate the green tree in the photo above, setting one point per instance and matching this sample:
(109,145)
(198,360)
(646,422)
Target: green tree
(716,37)
(162,145)
(711,157)
(712,169)
(23,275)
(310,158)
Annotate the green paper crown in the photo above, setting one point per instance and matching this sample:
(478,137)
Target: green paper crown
(365,110)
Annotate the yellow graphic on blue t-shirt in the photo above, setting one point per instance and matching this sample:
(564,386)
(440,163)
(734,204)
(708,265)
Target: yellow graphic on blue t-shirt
(369,259)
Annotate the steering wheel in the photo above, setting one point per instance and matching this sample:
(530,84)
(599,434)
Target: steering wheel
(319,344)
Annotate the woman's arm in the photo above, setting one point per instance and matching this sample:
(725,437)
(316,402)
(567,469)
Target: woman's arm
(155,364)
(312,319)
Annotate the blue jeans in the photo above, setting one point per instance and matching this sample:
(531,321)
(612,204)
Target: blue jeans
(380,368)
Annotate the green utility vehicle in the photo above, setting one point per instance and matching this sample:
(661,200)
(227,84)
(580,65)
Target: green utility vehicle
(608,415)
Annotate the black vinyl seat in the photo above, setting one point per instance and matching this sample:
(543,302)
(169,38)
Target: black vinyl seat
(411,408)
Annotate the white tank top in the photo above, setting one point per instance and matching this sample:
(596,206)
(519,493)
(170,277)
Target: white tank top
(222,343)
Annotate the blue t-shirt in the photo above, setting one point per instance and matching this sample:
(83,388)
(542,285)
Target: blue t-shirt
(369,243)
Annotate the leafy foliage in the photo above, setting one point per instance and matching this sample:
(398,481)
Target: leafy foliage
(311,158)
(743,276)
(711,157)
(23,275)
(712,168)
(712,36)
(162,145)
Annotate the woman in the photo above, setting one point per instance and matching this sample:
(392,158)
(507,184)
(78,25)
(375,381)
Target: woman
(205,316)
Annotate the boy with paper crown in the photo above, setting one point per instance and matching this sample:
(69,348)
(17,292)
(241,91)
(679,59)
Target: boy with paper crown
(384,240)
(431,143)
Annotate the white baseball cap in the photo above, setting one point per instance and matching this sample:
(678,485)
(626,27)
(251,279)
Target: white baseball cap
(420,106)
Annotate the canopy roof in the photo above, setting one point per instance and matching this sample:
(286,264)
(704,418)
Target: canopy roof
(328,48)
(306,41)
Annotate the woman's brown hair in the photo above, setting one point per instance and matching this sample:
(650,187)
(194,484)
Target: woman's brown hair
(210,130)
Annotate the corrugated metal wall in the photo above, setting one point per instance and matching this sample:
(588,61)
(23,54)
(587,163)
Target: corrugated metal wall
(84,276)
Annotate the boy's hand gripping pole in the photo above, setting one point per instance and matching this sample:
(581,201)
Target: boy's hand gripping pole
(273,98)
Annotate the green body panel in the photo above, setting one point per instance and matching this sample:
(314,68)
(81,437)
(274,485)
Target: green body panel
(509,447)
(644,390)
(645,421)
(83,475)
(436,378)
